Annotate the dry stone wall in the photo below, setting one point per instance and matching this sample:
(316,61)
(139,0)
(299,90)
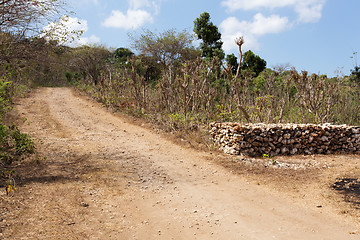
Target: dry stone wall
(285,139)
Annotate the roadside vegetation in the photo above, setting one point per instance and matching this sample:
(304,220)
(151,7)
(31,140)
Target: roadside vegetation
(26,61)
(169,81)
(164,78)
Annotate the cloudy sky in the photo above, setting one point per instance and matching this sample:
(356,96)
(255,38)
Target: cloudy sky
(319,36)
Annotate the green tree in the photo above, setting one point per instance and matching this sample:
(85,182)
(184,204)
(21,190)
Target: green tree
(355,73)
(232,62)
(90,61)
(148,68)
(121,55)
(211,37)
(253,63)
(167,48)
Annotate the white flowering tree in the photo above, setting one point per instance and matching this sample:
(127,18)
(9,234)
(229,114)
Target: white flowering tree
(21,17)
(65,31)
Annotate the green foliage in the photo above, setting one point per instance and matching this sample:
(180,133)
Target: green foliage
(223,113)
(22,143)
(4,133)
(176,120)
(90,61)
(253,63)
(148,68)
(198,93)
(167,48)
(267,156)
(13,143)
(259,83)
(72,78)
(206,31)
(231,61)
(69,76)
(121,56)
(261,111)
(5,97)
(27,59)
(355,74)
(161,86)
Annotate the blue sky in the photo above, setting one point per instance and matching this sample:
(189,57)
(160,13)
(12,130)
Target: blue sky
(319,36)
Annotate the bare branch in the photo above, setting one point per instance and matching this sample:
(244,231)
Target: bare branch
(20,17)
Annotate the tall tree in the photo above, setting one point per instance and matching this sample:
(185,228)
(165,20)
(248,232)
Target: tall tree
(90,61)
(209,34)
(20,20)
(167,48)
(21,16)
(253,62)
(121,54)
(120,57)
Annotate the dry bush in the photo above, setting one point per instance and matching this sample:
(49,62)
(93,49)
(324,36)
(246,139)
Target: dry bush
(198,92)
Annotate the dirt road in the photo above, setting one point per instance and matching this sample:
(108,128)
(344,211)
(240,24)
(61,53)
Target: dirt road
(105,178)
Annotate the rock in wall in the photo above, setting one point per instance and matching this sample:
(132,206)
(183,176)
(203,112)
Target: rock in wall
(285,139)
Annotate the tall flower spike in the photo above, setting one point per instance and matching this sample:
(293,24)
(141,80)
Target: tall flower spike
(239,41)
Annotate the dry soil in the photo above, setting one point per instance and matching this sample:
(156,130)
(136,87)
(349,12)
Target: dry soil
(105,177)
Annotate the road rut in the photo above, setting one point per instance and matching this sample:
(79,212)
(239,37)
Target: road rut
(106,178)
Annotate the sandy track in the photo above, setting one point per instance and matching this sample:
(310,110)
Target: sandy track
(105,178)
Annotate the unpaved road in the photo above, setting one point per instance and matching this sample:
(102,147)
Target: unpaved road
(105,178)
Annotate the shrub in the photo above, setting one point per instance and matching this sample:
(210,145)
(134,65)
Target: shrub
(13,143)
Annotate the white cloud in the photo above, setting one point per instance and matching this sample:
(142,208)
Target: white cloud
(138,13)
(131,20)
(232,28)
(88,40)
(68,31)
(264,25)
(307,10)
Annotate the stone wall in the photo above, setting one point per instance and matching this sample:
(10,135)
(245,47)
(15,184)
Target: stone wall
(285,139)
